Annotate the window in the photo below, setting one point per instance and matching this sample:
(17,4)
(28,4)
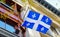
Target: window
(53,6)
(55,3)
(7,27)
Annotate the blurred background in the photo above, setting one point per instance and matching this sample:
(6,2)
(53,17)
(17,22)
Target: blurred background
(12,13)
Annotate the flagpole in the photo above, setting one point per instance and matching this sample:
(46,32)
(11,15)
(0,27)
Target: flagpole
(50,32)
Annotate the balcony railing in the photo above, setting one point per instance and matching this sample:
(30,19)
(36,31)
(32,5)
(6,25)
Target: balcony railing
(7,33)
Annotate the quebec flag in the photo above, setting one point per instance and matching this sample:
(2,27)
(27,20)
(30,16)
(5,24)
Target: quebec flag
(37,21)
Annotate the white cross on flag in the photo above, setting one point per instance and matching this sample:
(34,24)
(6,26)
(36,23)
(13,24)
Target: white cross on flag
(37,21)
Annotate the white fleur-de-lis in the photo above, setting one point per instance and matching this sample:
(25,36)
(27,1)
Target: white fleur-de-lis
(42,28)
(28,24)
(33,16)
(46,20)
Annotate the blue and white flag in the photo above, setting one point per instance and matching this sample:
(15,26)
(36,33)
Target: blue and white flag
(37,21)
